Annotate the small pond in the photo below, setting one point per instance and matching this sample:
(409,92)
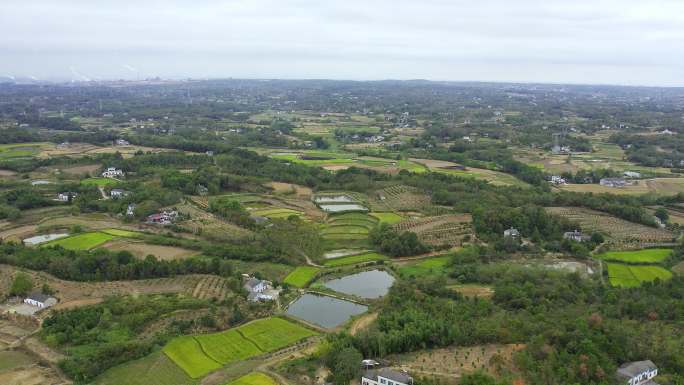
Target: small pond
(367,284)
(324,311)
(342,253)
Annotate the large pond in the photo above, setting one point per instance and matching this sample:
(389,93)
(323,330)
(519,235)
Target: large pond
(367,284)
(324,311)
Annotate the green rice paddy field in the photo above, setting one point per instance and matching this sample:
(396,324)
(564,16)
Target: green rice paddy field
(200,355)
(426,267)
(85,241)
(155,368)
(638,256)
(255,378)
(623,275)
(387,217)
(99,182)
(353,259)
(301,276)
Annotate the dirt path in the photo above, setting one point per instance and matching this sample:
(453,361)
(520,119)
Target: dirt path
(104,194)
(362,323)
(310,262)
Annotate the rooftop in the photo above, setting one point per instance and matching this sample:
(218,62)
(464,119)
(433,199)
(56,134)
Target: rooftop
(393,375)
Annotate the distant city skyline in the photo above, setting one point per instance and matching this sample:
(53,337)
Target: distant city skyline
(625,42)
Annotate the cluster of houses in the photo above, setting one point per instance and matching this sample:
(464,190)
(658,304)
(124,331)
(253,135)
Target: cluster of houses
(613,182)
(112,172)
(259,290)
(122,142)
(165,217)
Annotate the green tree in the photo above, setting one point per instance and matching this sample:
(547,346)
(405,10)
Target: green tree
(21,285)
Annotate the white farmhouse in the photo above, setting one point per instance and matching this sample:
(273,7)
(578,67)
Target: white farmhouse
(112,172)
(66,196)
(386,376)
(118,193)
(637,373)
(511,233)
(40,300)
(260,290)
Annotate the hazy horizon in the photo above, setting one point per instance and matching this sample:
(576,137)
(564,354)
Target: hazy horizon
(584,42)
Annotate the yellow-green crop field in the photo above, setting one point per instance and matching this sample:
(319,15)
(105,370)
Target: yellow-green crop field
(301,276)
(202,354)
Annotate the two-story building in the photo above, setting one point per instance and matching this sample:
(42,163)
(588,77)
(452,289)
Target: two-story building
(112,172)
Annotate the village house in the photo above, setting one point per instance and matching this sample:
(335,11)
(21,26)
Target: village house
(511,233)
(122,142)
(637,373)
(556,179)
(66,196)
(613,182)
(163,218)
(119,193)
(130,210)
(386,376)
(112,172)
(259,290)
(576,236)
(631,174)
(40,300)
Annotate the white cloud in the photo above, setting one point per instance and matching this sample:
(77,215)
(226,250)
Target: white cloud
(587,41)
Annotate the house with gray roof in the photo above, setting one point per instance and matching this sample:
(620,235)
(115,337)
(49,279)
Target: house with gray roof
(637,373)
(386,376)
(40,300)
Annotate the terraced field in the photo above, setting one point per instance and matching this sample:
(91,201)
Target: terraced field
(620,234)
(255,378)
(200,355)
(402,198)
(280,213)
(348,230)
(155,368)
(439,230)
(354,259)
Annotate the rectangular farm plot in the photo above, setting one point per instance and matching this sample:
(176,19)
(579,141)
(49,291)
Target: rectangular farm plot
(202,354)
(353,259)
(187,353)
(275,213)
(255,378)
(122,233)
(301,276)
(274,333)
(637,256)
(633,275)
(227,346)
(85,241)
(389,218)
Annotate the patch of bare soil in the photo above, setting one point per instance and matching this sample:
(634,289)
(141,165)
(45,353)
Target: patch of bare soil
(18,233)
(7,173)
(142,250)
(290,188)
(456,361)
(432,163)
(362,323)
(336,167)
(474,290)
(35,346)
(33,375)
(80,170)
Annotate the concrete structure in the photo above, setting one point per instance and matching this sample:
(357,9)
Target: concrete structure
(631,174)
(122,142)
(557,179)
(40,300)
(386,376)
(637,373)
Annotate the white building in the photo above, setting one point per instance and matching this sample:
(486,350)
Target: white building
(112,172)
(40,300)
(631,174)
(637,373)
(122,142)
(118,193)
(556,179)
(260,290)
(386,376)
(576,236)
(511,233)
(130,210)
(66,196)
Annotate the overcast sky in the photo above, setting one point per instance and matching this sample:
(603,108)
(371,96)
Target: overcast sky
(635,42)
